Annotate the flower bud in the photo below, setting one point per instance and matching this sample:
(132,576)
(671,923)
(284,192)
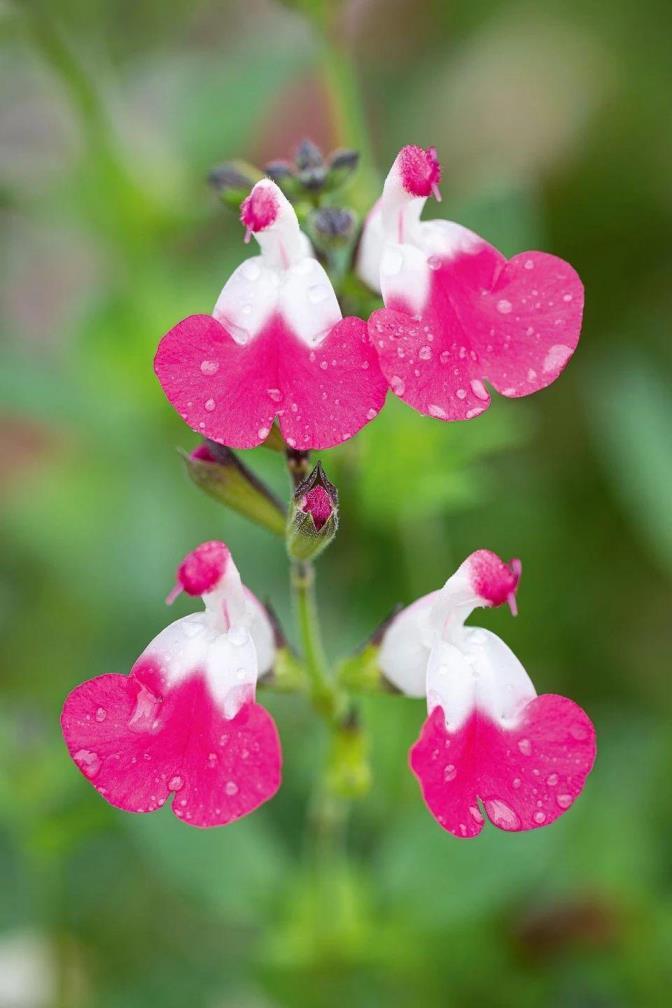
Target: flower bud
(215,469)
(341,166)
(311,169)
(313,516)
(233,180)
(331,227)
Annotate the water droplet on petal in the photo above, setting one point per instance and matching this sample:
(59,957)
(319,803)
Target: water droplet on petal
(238,636)
(564,800)
(274,393)
(425,353)
(504,306)
(525,746)
(450,773)
(209,367)
(434,262)
(318,293)
(437,411)
(552,780)
(87,761)
(209,405)
(475,814)
(175,783)
(479,389)
(231,788)
(501,814)
(263,433)
(101,714)
(539,817)
(397,385)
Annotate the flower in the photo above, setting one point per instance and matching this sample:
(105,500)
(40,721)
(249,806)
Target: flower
(184,723)
(276,345)
(457,312)
(488,735)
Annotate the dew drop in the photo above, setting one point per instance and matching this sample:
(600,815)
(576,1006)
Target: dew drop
(578,732)
(101,714)
(552,780)
(209,405)
(274,393)
(525,746)
(475,814)
(209,367)
(461,393)
(250,270)
(516,782)
(425,353)
(87,761)
(539,817)
(212,759)
(175,783)
(528,264)
(397,384)
(231,788)
(501,814)
(263,433)
(371,414)
(564,800)
(238,636)
(318,293)
(504,306)
(434,262)
(450,773)
(479,390)
(437,411)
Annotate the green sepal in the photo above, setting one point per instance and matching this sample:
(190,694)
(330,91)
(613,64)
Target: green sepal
(225,478)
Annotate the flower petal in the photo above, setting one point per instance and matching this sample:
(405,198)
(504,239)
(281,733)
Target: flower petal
(232,393)
(526,776)
(139,741)
(459,317)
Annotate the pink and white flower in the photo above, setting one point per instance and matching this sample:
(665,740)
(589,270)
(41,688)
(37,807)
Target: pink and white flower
(488,736)
(184,724)
(457,312)
(275,346)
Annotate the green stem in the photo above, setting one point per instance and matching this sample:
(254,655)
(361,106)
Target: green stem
(322,688)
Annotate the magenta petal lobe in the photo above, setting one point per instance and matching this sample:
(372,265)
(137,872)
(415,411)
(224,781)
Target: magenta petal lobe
(232,392)
(525,777)
(140,744)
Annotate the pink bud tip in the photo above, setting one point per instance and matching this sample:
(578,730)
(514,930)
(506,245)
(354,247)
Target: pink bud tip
(202,569)
(260,209)
(436,192)
(420,171)
(317,503)
(493,580)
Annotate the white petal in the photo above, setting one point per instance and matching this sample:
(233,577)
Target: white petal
(406,644)
(477,670)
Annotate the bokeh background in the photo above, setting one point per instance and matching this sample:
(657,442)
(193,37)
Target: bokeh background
(553,124)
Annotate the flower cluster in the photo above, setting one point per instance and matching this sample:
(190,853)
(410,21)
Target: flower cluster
(275,361)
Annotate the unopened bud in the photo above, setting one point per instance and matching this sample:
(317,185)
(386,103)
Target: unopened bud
(311,169)
(340,167)
(331,227)
(233,181)
(215,469)
(313,516)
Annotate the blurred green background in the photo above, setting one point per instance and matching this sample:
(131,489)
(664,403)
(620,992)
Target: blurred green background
(553,125)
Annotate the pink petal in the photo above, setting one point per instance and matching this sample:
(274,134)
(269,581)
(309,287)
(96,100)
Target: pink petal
(232,393)
(514,324)
(526,777)
(140,743)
